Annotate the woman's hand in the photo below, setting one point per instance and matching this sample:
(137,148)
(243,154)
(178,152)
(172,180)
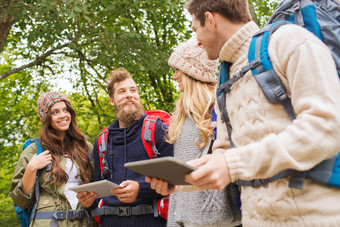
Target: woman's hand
(160,186)
(86,198)
(39,161)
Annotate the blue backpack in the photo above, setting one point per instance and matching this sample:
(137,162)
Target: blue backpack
(322,18)
(25,215)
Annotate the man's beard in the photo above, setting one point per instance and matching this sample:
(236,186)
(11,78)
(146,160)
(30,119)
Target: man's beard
(129,114)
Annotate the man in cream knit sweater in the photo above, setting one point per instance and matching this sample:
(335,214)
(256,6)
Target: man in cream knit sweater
(266,140)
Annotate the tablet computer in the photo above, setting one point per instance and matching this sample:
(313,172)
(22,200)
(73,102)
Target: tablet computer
(167,168)
(102,188)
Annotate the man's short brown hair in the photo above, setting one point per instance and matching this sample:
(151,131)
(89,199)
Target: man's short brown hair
(116,76)
(236,11)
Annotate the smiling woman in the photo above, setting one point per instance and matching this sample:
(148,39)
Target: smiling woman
(67,152)
(60,118)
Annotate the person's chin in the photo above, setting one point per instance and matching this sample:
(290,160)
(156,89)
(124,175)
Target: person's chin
(62,129)
(65,127)
(130,108)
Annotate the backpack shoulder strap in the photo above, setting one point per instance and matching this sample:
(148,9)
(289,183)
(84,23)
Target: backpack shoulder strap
(102,147)
(37,195)
(214,122)
(222,89)
(27,143)
(36,184)
(263,70)
(148,135)
(39,149)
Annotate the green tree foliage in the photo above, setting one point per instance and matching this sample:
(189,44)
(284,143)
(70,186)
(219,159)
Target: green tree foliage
(263,9)
(97,36)
(7,214)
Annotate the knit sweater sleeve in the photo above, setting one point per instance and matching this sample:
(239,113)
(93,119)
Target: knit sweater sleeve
(306,67)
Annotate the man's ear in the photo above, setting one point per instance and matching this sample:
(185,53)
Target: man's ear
(210,20)
(112,102)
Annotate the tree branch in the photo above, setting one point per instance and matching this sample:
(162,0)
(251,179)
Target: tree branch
(37,61)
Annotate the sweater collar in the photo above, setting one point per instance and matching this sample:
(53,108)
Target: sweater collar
(239,43)
(119,135)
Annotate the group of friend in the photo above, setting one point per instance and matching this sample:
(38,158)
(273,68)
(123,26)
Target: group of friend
(266,140)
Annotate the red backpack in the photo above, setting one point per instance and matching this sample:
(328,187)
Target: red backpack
(148,138)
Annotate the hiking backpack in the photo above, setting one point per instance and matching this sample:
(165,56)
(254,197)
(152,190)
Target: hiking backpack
(148,138)
(26,215)
(322,18)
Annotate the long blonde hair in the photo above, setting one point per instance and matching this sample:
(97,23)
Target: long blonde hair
(196,102)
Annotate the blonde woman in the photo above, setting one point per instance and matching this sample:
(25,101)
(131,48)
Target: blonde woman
(191,132)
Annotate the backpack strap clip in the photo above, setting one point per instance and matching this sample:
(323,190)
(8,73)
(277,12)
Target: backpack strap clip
(280,93)
(254,64)
(298,14)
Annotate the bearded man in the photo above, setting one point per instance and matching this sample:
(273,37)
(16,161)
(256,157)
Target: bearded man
(131,204)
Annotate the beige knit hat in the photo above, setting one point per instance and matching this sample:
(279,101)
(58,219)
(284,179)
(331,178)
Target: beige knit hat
(192,59)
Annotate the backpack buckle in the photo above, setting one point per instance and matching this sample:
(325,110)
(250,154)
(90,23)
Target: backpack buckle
(59,215)
(75,214)
(255,63)
(280,93)
(259,182)
(147,132)
(124,211)
(297,6)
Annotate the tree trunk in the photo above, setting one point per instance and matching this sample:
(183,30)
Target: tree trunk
(6,22)
(252,12)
